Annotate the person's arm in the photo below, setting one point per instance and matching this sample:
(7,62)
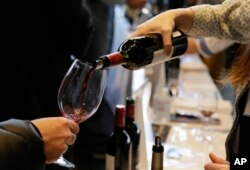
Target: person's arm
(230,20)
(31,144)
(164,23)
(21,146)
(57,134)
(227,20)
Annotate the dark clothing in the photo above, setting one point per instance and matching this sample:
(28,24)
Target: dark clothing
(38,38)
(21,147)
(238,138)
(90,147)
(103,22)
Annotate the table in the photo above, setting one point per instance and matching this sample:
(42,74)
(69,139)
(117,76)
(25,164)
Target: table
(183,147)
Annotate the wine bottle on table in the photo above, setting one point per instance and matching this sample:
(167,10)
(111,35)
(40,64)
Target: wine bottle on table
(142,51)
(157,154)
(118,154)
(133,130)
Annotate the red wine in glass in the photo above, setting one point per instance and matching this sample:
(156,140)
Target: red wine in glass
(80,93)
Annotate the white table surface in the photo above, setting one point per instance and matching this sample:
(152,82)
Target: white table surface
(183,141)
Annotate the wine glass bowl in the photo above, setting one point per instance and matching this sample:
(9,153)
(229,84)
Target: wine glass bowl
(80,95)
(208,103)
(81,91)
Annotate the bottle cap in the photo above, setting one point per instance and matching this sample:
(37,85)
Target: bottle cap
(130,107)
(120,116)
(158,147)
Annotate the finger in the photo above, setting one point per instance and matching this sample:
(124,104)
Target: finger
(74,127)
(216,159)
(70,140)
(167,42)
(215,166)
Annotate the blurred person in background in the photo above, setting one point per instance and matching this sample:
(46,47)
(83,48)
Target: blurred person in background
(229,20)
(90,147)
(216,53)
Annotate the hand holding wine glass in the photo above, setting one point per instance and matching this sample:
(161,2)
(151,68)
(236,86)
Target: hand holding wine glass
(80,94)
(57,134)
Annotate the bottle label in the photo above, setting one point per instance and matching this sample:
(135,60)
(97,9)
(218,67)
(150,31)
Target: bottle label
(160,57)
(110,162)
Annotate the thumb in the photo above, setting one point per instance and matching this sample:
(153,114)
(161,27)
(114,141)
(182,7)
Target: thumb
(216,159)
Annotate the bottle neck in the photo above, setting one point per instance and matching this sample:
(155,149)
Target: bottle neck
(157,156)
(109,60)
(130,111)
(129,120)
(120,117)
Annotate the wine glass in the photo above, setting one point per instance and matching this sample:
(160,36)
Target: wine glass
(80,95)
(207,105)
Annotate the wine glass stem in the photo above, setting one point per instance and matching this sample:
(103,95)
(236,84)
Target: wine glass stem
(206,129)
(64,162)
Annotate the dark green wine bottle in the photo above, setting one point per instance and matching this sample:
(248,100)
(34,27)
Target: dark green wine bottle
(133,130)
(118,153)
(142,51)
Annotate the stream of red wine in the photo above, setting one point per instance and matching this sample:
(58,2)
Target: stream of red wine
(80,113)
(85,82)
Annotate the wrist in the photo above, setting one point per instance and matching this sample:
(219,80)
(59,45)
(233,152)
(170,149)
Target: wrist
(184,19)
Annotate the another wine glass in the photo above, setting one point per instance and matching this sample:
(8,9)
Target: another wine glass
(207,105)
(80,95)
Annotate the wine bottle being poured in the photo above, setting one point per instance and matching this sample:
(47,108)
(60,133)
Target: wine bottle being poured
(139,52)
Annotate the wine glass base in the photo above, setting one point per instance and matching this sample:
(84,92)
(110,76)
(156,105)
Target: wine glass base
(64,162)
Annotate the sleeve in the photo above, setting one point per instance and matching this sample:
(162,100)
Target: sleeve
(209,46)
(230,20)
(21,146)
